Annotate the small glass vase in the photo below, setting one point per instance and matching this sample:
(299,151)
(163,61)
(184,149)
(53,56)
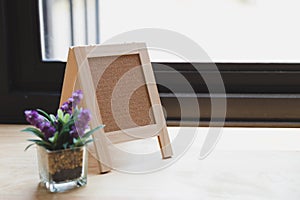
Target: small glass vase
(62,170)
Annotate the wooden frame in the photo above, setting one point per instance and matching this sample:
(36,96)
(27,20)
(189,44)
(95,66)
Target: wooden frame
(85,74)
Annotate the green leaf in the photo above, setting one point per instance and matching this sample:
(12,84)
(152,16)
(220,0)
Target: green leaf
(60,114)
(61,121)
(78,142)
(34,140)
(66,118)
(88,134)
(53,118)
(67,125)
(65,145)
(75,140)
(43,143)
(88,141)
(29,146)
(54,138)
(35,131)
(43,113)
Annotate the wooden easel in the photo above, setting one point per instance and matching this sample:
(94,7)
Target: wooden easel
(110,76)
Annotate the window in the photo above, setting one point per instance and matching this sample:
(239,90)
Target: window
(244,31)
(67,23)
(258,93)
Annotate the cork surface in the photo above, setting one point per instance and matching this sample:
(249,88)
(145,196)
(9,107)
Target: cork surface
(121,92)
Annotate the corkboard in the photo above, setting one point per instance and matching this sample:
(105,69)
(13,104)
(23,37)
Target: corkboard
(113,69)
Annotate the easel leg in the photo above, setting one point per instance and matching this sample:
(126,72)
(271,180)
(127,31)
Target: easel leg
(102,153)
(165,144)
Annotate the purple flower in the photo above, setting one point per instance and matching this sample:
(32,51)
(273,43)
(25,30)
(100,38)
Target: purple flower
(82,121)
(73,134)
(77,97)
(48,130)
(72,102)
(67,107)
(34,118)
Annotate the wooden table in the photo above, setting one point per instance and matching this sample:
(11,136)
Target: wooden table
(226,174)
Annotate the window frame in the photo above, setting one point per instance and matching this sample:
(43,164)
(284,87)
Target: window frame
(269,97)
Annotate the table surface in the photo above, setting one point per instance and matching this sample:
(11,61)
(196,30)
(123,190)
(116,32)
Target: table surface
(232,171)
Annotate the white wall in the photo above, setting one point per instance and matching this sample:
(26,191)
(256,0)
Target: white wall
(228,30)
